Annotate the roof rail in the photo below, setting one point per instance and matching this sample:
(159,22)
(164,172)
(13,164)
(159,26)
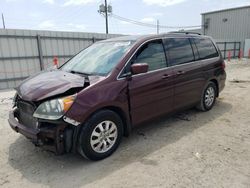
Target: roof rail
(185,32)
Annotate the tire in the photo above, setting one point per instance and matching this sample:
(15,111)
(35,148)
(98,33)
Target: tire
(208,97)
(104,128)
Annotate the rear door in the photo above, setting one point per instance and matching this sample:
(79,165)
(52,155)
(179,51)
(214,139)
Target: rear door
(209,57)
(189,79)
(151,93)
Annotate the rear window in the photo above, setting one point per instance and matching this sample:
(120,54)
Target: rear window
(179,50)
(206,48)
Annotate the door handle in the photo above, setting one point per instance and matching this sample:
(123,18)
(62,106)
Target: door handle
(180,73)
(166,76)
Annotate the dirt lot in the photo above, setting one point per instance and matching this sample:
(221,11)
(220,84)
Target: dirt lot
(191,149)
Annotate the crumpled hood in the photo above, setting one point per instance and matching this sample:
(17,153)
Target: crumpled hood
(47,84)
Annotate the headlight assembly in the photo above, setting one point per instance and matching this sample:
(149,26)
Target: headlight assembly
(54,109)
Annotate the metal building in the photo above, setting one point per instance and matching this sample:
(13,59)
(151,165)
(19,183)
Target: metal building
(230,28)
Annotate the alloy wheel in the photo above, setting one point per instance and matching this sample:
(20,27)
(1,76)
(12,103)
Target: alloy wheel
(209,96)
(103,136)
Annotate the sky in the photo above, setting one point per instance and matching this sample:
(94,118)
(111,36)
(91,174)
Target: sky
(82,15)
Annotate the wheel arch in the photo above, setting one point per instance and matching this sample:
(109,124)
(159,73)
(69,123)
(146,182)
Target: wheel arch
(125,120)
(215,81)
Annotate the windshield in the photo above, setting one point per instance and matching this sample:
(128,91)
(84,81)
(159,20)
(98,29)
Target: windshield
(98,59)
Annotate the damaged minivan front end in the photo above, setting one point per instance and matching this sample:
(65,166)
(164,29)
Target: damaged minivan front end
(54,109)
(40,109)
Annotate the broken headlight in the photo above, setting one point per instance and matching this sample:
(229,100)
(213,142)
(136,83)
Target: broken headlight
(54,109)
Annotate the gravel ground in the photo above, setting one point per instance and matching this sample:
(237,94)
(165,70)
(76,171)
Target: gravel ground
(190,149)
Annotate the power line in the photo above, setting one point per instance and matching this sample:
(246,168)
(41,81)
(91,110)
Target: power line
(151,25)
(132,21)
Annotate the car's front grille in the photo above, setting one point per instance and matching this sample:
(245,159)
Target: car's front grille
(25,111)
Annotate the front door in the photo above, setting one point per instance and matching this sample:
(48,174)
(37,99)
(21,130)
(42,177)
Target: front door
(151,93)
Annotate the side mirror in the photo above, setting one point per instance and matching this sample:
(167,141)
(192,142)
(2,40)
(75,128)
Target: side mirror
(139,68)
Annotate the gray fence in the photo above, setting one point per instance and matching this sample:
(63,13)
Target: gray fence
(25,52)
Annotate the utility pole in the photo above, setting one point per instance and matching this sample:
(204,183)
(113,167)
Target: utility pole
(158,27)
(3,21)
(106,17)
(105,10)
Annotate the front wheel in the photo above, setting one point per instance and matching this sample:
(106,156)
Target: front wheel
(100,135)
(208,97)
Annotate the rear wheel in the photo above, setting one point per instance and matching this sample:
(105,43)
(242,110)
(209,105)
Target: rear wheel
(208,97)
(100,135)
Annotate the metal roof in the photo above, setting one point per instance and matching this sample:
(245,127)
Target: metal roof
(224,10)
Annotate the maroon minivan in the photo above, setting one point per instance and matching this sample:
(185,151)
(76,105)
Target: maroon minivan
(99,95)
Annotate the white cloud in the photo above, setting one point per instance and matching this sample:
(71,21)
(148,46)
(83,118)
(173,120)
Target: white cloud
(35,15)
(157,14)
(214,5)
(49,1)
(124,22)
(75,27)
(52,25)
(77,2)
(43,1)
(48,24)
(162,3)
(148,20)
(131,33)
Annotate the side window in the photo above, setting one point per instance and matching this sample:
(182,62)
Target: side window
(153,54)
(206,48)
(179,50)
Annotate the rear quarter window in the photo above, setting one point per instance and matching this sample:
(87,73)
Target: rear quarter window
(206,48)
(178,50)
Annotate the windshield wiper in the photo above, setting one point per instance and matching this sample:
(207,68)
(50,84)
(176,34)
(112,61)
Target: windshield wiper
(86,75)
(77,72)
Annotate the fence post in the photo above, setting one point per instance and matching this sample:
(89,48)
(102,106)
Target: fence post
(234,49)
(240,54)
(239,46)
(225,50)
(40,52)
(93,39)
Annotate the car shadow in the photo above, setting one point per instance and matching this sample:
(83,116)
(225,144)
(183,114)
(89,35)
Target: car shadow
(45,168)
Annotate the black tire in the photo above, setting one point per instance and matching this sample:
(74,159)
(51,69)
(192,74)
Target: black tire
(84,142)
(203,105)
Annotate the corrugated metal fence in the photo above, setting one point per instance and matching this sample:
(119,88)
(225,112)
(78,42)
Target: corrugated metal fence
(25,52)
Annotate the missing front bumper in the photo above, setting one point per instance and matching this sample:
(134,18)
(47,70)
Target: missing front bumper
(57,138)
